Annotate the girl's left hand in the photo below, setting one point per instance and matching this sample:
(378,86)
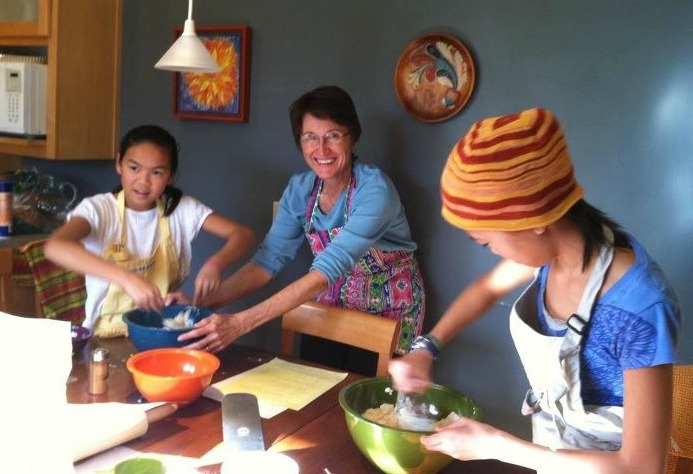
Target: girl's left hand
(207,282)
(466,439)
(176,297)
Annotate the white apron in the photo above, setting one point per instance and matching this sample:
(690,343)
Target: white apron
(552,364)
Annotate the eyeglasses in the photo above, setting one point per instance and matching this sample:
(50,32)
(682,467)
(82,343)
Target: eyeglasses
(312,140)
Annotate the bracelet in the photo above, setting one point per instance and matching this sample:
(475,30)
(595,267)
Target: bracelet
(427,342)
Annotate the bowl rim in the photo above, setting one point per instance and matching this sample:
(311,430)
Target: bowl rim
(200,354)
(379,380)
(82,333)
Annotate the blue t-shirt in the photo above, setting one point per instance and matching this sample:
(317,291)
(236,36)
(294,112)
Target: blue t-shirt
(376,219)
(635,324)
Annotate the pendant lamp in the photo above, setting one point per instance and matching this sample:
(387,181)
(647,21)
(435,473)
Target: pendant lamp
(188,53)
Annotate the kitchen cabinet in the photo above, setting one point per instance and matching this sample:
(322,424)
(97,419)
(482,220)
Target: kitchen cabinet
(24,17)
(81,41)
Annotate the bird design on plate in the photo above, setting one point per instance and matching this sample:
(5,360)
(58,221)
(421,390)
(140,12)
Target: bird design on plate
(434,77)
(441,63)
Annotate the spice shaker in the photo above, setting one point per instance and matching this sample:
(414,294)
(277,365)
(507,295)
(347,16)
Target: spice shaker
(98,371)
(5,208)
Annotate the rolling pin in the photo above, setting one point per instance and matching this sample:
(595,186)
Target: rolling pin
(96,427)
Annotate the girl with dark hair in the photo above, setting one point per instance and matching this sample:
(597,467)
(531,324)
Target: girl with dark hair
(133,245)
(595,328)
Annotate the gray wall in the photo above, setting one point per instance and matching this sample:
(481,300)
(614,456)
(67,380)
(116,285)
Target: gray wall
(618,74)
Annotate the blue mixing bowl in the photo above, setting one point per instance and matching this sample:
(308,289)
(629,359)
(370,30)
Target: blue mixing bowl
(146,328)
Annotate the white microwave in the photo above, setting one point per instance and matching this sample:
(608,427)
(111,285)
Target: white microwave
(23,99)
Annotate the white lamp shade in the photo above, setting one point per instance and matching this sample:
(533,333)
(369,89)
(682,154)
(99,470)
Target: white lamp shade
(188,54)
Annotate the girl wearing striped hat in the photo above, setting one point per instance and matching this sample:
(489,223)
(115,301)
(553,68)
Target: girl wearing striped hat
(595,328)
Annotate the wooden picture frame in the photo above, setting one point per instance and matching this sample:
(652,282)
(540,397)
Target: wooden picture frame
(229,100)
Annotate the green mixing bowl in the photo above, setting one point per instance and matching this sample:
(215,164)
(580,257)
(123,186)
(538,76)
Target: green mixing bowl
(396,450)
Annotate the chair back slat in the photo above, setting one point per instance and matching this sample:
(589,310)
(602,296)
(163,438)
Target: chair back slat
(355,328)
(680,460)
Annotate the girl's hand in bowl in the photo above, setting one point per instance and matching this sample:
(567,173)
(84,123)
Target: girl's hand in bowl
(176,297)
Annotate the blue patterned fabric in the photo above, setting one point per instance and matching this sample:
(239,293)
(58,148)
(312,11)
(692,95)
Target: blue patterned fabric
(634,325)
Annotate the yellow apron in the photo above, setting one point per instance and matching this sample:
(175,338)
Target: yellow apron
(162,269)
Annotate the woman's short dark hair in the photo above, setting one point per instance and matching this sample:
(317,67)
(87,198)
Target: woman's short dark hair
(163,139)
(325,102)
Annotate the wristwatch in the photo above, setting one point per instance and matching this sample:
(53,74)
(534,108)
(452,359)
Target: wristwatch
(426,342)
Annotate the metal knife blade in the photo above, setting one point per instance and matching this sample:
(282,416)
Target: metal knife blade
(241,423)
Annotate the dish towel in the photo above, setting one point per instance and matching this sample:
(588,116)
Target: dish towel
(62,293)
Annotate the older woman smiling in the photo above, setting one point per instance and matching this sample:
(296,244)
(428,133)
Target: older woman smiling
(352,217)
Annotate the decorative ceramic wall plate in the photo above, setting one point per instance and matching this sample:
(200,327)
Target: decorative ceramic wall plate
(434,77)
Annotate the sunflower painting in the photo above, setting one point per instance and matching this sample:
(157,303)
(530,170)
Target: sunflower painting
(220,96)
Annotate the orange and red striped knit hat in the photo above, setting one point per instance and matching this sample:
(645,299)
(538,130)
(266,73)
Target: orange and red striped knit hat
(509,173)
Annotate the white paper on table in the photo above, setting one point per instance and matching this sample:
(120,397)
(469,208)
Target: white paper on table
(36,357)
(278,385)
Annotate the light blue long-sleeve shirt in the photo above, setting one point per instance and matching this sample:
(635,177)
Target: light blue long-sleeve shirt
(376,219)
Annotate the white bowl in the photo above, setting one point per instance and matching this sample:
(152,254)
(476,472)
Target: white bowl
(259,462)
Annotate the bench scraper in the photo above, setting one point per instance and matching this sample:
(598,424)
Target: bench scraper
(241,423)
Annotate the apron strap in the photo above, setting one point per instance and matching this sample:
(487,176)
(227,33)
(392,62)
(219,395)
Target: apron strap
(314,201)
(569,355)
(121,213)
(577,323)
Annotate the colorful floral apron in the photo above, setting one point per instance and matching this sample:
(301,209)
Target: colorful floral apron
(559,418)
(388,284)
(162,268)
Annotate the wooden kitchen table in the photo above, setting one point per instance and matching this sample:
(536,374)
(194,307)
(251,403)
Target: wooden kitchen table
(315,436)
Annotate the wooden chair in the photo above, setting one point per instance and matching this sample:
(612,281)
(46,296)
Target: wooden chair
(355,328)
(48,290)
(680,459)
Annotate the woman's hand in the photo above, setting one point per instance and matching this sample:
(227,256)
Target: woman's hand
(216,332)
(411,372)
(466,439)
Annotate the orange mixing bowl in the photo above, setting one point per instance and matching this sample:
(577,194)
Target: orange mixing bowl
(171,374)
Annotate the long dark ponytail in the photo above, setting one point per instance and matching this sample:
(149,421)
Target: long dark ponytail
(591,222)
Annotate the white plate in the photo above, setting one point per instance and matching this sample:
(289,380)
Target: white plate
(259,462)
